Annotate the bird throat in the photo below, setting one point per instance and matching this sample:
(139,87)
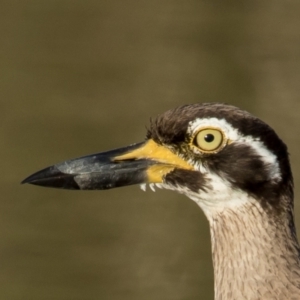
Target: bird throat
(254,252)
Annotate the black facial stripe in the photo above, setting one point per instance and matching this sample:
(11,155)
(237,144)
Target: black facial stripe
(241,166)
(192,180)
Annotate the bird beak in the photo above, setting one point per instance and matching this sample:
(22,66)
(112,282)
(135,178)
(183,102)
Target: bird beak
(146,162)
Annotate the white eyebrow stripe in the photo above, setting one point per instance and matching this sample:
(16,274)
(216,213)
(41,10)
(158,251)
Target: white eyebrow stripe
(234,135)
(231,133)
(269,158)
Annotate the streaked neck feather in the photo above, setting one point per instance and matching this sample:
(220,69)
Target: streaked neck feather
(255,254)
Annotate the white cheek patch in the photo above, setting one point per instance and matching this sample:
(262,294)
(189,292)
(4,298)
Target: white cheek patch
(234,136)
(218,197)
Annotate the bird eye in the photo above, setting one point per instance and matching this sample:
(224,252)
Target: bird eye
(209,140)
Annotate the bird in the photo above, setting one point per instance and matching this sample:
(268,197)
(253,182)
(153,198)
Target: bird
(235,167)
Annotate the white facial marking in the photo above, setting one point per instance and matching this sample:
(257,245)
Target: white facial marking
(233,135)
(218,197)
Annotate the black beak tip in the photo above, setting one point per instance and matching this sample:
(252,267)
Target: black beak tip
(26,180)
(52,177)
(40,176)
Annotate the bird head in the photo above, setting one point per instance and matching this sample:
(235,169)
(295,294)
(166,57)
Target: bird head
(216,154)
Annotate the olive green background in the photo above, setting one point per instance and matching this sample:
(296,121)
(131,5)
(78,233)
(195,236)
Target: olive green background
(79,77)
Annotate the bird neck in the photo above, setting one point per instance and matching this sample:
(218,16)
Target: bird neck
(255,254)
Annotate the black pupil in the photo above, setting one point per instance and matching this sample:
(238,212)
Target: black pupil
(209,138)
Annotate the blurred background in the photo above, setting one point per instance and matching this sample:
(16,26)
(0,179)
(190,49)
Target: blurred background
(79,77)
